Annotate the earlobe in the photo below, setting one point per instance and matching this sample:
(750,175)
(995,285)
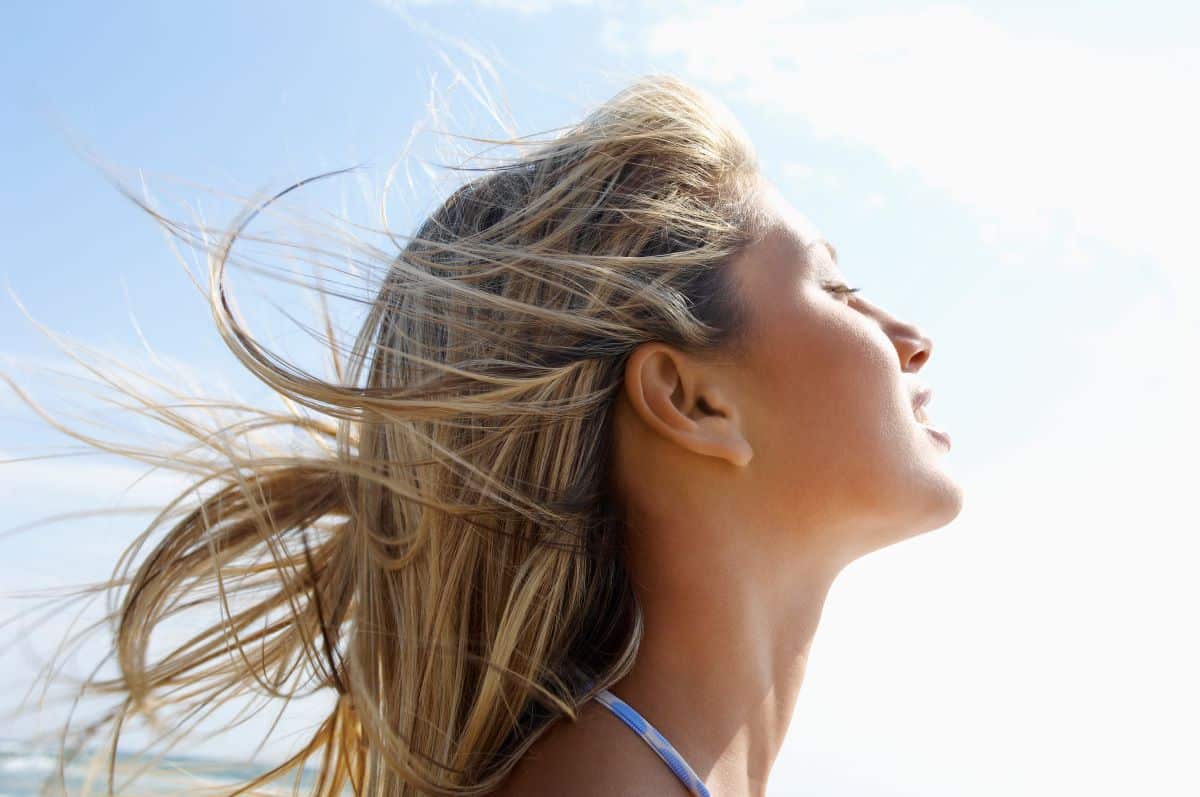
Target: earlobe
(674,398)
(721,426)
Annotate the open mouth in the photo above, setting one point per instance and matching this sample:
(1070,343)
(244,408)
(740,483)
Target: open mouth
(940,434)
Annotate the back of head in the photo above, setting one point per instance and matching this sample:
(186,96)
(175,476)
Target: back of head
(471,588)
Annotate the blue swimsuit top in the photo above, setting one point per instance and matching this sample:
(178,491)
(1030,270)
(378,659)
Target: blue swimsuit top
(658,743)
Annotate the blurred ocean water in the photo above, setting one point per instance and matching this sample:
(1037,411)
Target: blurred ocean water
(26,773)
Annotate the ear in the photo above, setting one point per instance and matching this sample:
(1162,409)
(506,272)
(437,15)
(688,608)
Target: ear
(680,399)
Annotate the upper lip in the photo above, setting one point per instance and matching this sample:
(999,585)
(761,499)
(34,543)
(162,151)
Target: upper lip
(921,397)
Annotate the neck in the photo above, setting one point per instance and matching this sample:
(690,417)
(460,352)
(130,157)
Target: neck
(723,655)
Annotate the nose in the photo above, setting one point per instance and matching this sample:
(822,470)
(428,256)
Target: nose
(912,345)
(914,349)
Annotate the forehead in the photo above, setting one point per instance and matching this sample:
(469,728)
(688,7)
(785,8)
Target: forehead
(792,238)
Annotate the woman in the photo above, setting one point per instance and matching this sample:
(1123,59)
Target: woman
(613,426)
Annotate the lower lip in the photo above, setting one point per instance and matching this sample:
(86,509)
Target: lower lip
(939,435)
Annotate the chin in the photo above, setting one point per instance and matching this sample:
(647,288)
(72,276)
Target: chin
(940,495)
(941,502)
(944,505)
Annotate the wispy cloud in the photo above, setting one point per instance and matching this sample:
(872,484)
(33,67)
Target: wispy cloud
(1029,131)
(1018,127)
(520,6)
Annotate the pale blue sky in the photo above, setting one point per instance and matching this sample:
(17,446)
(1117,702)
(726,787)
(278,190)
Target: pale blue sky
(1018,180)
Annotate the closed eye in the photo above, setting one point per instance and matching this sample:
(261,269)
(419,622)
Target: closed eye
(840,288)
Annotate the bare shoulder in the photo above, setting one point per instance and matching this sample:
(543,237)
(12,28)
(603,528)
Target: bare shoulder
(595,756)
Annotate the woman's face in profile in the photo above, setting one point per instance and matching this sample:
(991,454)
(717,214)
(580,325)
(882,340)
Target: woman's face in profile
(827,392)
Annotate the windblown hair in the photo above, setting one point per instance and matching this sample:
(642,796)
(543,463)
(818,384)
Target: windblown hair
(449,569)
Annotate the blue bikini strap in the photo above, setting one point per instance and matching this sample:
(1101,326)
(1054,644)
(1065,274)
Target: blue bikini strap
(656,740)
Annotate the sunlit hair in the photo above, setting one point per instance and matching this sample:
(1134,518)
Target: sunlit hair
(450,564)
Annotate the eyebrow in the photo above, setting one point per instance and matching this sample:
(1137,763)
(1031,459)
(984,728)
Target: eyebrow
(832,251)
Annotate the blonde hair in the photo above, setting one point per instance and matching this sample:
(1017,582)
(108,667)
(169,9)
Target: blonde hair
(451,567)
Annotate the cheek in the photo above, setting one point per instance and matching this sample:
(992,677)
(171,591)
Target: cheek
(821,368)
(825,397)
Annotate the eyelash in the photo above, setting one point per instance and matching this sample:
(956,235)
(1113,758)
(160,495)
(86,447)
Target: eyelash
(840,288)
